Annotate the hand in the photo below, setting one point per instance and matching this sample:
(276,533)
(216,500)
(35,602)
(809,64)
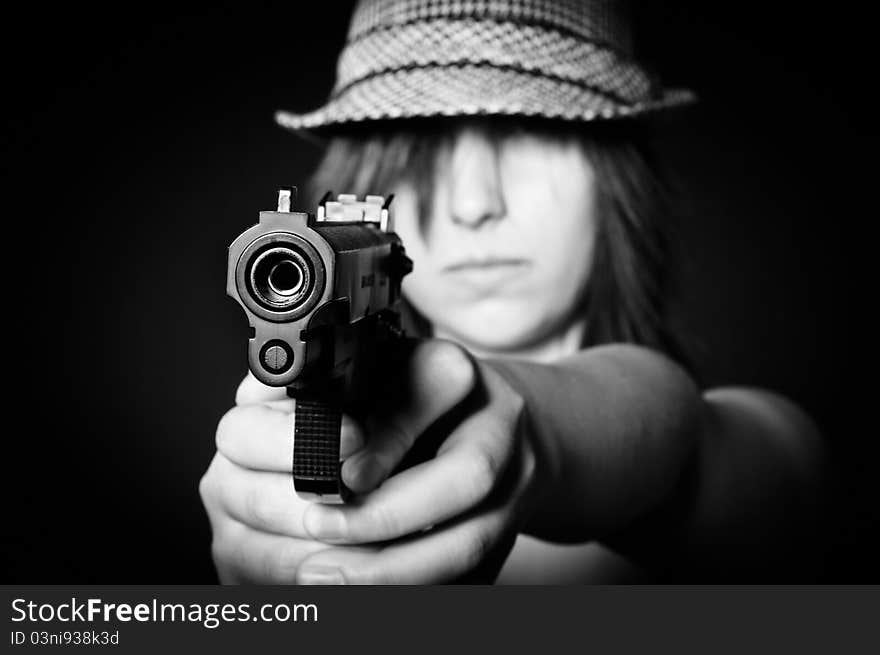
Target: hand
(454,515)
(247,491)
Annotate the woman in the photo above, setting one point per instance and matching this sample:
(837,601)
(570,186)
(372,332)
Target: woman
(573,443)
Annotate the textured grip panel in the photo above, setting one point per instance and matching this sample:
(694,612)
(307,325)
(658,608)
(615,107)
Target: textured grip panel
(316,467)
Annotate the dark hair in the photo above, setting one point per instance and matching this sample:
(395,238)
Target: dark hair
(629,286)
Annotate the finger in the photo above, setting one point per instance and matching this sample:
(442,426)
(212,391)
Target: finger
(243,555)
(430,558)
(257,437)
(462,475)
(439,376)
(351,437)
(260,438)
(262,500)
(253,392)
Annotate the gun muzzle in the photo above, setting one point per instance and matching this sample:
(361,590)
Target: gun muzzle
(280,278)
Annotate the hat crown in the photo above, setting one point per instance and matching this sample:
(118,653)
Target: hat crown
(602,21)
(576,41)
(558,59)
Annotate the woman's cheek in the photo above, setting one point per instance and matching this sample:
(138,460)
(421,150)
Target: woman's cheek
(572,244)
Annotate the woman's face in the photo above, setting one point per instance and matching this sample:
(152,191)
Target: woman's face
(503,261)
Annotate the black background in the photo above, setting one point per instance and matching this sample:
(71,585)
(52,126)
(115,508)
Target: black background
(141,142)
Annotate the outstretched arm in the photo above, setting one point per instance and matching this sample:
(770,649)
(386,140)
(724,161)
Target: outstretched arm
(726,482)
(615,443)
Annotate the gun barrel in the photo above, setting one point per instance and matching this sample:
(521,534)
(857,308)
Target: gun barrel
(280,278)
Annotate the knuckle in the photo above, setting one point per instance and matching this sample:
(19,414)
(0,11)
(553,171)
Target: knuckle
(382,521)
(365,575)
(457,366)
(224,437)
(483,473)
(354,576)
(208,488)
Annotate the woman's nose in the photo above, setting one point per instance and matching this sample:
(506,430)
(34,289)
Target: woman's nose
(476,193)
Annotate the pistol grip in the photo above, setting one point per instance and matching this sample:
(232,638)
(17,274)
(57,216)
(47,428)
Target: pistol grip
(317,471)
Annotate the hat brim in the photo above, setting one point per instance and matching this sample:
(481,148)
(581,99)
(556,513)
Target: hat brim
(473,90)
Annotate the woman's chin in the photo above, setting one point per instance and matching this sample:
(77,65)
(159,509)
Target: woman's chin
(497,328)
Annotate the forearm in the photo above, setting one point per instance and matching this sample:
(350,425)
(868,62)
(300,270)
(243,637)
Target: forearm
(723,483)
(616,425)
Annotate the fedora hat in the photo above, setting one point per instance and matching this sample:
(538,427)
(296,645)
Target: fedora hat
(560,59)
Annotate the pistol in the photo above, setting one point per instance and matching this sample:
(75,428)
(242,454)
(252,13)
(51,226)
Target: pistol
(320,293)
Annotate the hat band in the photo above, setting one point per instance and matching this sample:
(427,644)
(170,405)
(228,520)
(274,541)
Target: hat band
(504,45)
(402,72)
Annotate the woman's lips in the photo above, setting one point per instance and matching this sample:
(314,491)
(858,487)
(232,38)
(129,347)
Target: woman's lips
(485,263)
(486,275)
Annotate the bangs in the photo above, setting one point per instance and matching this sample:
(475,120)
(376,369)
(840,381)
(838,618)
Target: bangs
(375,159)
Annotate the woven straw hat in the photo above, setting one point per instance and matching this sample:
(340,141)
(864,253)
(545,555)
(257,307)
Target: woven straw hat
(565,59)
